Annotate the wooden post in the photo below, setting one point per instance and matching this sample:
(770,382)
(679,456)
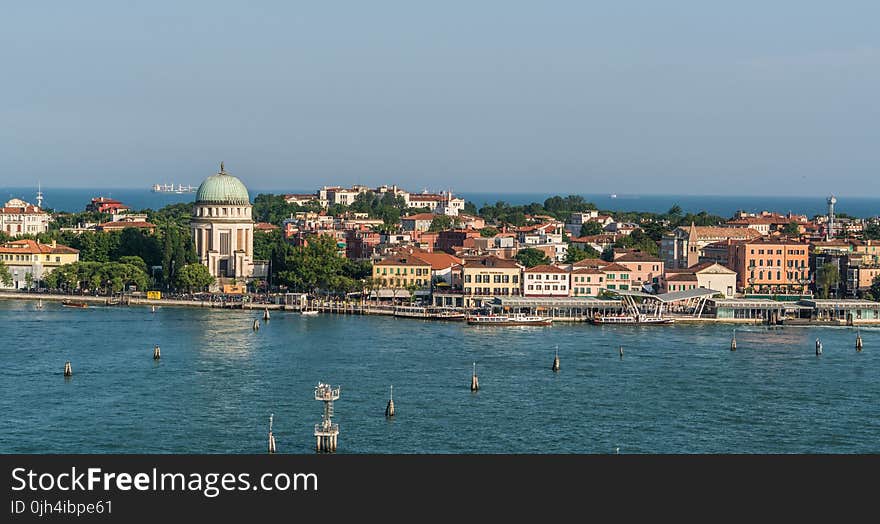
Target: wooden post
(859,342)
(475,383)
(271,436)
(389,409)
(555,366)
(68,370)
(733,341)
(256,324)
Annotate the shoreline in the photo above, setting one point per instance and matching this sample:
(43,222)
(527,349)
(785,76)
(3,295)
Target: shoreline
(354,309)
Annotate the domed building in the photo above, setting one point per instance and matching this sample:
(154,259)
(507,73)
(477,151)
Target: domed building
(222,227)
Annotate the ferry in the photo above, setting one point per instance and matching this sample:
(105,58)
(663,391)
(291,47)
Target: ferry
(171,188)
(71,303)
(433,313)
(630,319)
(518,319)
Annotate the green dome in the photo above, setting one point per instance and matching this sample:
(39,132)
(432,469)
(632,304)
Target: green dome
(222,188)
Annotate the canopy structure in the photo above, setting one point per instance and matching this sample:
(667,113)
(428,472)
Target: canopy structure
(691,300)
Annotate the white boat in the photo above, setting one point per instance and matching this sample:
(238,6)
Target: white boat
(309,312)
(630,319)
(516,319)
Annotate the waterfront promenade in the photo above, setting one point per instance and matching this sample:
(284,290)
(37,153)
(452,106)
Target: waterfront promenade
(357,307)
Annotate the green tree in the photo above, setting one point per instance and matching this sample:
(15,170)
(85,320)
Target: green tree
(575,254)
(193,277)
(531,257)
(5,275)
(874,291)
(310,267)
(135,261)
(872,231)
(827,277)
(489,232)
(29,280)
(470,208)
(591,228)
(607,254)
(791,229)
(441,223)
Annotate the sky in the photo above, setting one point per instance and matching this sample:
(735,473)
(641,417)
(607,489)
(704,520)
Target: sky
(686,97)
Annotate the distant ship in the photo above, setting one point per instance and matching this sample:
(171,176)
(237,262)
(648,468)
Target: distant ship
(613,195)
(171,188)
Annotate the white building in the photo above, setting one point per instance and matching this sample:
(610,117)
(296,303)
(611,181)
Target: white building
(18,217)
(545,281)
(222,227)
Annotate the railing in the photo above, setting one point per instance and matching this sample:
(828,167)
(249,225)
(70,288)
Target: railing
(321,428)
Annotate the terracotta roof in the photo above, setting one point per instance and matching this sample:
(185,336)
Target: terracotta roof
(490,261)
(681,277)
(777,241)
(402,261)
(707,232)
(591,263)
(437,260)
(637,256)
(29,210)
(265,226)
(420,216)
(614,267)
(587,271)
(32,247)
(545,268)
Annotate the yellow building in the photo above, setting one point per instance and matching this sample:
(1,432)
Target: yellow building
(491,276)
(400,272)
(29,257)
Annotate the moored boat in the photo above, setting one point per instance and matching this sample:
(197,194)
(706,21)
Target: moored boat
(509,320)
(71,303)
(630,319)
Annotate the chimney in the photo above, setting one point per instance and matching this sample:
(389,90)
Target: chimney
(54,244)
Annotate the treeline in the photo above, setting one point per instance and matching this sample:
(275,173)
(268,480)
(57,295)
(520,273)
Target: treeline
(169,248)
(315,266)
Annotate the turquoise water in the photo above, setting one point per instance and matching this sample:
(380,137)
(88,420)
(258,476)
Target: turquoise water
(678,389)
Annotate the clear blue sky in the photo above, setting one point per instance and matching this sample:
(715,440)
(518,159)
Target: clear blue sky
(689,97)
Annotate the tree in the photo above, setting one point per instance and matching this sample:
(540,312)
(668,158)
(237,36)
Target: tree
(872,231)
(29,280)
(875,289)
(827,277)
(309,267)
(575,254)
(135,261)
(441,223)
(591,228)
(412,287)
(674,211)
(607,254)
(193,276)
(5,275)
(791,229)
(531,257)
(489,232)
(470,208)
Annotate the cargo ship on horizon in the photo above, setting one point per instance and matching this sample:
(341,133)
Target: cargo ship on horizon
(171,188)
